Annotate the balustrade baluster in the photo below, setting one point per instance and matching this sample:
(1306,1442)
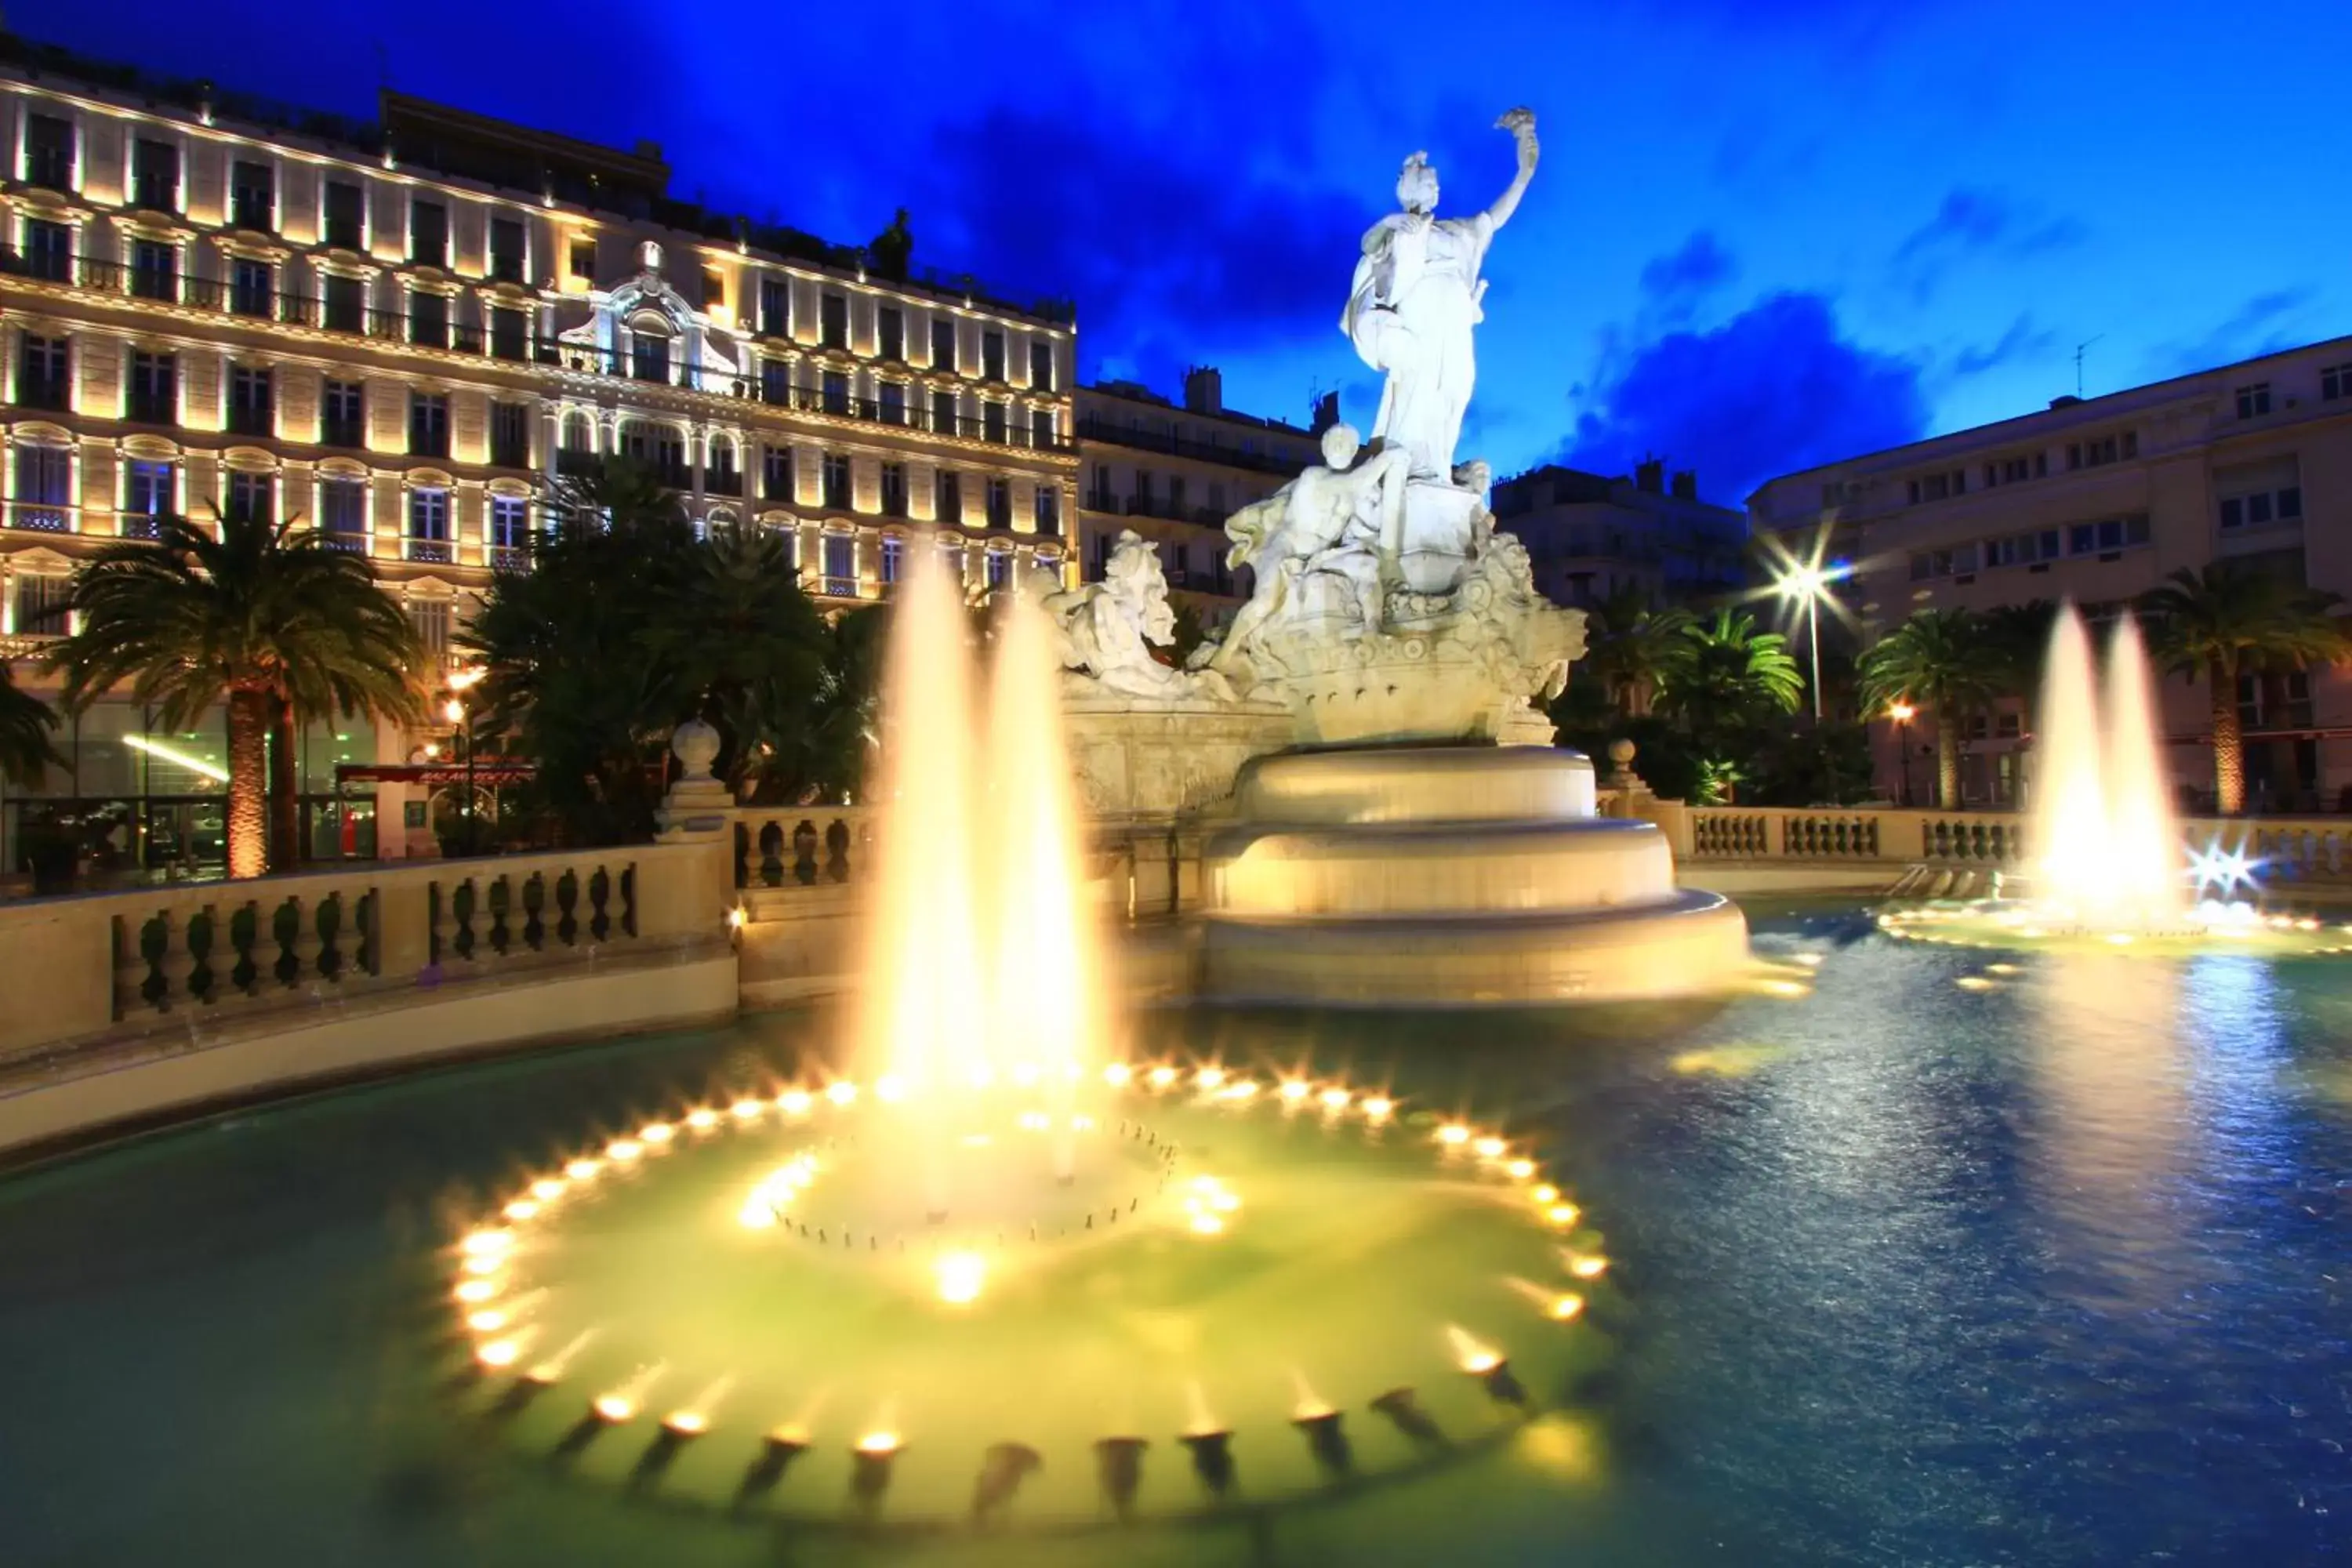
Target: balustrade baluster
(286,932)
(837,848)
(245,940)
(461,910)
(600,894)
(199,940)
(500,900)
(567,900)
(328,920)
(534,901)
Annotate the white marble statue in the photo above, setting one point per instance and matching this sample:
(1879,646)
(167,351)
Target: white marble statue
(1416,300)
(1106,629)
(1342,519)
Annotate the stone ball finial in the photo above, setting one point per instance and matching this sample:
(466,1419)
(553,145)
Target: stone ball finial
(649,256)
(696,746)
(1621,753)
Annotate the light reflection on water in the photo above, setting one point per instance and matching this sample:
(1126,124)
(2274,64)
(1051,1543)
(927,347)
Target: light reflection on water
(2052,1272)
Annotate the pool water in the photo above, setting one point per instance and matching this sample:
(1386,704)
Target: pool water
(2051,1268)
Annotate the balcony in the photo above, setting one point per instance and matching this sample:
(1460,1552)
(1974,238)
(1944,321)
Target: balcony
(722,481)
(1111,435)
(47,392)
(510,557)
(348,433)
(434,551)
(40,516)
(576,462)
(250,210)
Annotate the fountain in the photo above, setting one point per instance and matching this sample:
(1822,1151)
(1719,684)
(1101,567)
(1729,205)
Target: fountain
(994,1265)
(2108,865)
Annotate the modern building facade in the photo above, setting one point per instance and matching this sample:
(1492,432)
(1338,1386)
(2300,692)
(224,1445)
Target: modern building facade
(1174,475)
(1589,535)
(2098,499)
(405,331)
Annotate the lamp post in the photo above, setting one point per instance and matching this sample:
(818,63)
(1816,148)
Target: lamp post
(1809,584)
(1901,713)
(461,716)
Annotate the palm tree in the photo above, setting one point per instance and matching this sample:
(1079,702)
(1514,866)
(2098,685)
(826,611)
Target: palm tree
(25,721)
(1725,672)
(265,615)
(2227,620)
(1938,660)
(1632,643)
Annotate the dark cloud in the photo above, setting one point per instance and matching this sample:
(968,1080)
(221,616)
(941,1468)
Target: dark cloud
(1775,388)
(1977,223)
(2262,324)
(2023,340)
(1691,273)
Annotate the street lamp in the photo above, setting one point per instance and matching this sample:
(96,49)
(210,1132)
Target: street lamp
(456,711)
(1809,582)
(1902,712)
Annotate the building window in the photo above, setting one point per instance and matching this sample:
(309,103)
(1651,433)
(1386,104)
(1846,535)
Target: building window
(41,372)
(248,288)
(659,448)
(2255,401)
(1938,486)
(999,502)
(1041,366)
(341,415)
(253,197)
(943,343)
(581,261)
(428,425)
(148,492)
(43,604)
(428,525)
(154,269)
(2022,549)
(44,488)
(343,514)
(776,307)
(947,496)
(155,175)
(346,304)
(507,332)
(1049,511)
(49,250)
(249,401)
(2104,450)
(894,550)
(832,320)
(511,434)
(2106,534)
(2335,383)
(509,524)
(430,620)
(841,565)
(1041,428)
(890,333)
(649,357)
(718,473)
(992,356)
(894,490)
(836,481)
(1000,569)
(346,207)
(154,393)
(251,496)
(428,233)
(943,412)
(714,289)
(48,152)
(507,243)
(776,474)
(836,392)
(893,403)
(2262,509)
(992,422)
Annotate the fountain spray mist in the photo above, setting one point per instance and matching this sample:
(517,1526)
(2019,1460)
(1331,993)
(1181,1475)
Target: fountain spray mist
(2073,869)
(922,1008)
(1045,1004)
(2144,840)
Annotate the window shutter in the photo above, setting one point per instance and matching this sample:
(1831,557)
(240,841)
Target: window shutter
(388,521)
(97,483)
(298,402)
(865,484)
(101,160)
(200,389)
(470,252)
(387,404)
(388,219)
(469,426)
(101,375)
(923,492)
(203,191)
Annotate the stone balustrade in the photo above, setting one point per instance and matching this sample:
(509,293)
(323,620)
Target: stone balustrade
(2284,849)
(191,964)
(800,846)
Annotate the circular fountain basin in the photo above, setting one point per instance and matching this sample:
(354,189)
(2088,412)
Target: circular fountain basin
(1417,784)
(976,1303)
(1425,867)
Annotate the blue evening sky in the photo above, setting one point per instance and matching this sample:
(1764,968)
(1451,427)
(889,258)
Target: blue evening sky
(1765,233)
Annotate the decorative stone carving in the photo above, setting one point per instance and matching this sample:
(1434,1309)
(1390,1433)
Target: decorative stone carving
(695,745)
(1107,630)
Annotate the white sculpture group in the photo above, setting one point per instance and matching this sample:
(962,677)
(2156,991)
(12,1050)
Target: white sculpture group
(1384,605)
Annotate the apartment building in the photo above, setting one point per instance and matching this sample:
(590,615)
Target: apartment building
(405,331)
(2098,499)
(1589,535)
(1174,475)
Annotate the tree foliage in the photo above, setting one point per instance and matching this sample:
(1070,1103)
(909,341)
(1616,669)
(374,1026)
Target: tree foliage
(26,753)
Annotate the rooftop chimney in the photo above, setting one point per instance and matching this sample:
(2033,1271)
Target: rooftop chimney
(1684,485)
(1204,390)
(1649,476)
(1327,412)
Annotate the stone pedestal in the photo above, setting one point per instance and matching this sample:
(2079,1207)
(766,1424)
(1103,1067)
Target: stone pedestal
(1152,761)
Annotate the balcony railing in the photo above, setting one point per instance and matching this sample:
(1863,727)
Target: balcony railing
(41,516)
(212,294)
(722,481)
(1111,435)
(435,551)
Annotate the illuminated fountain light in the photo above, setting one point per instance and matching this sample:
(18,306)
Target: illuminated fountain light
(1489,1148)
(1210,1078)
(702,1119)
(1562,1215)
(1519,1169)
(843,1094)
(1334,1099)
(657,1135)
(521,1209)
(1162,1077)
(473,1291)
(879,1444)
(547,1189)
(1118,1075)
(961,1274)
(799,1102)
(623,1151)
(1470,1354)
(1379,1108)
(497,1354)
(746,1109)
(1588,1266)
(1453,1135)
(617,1406)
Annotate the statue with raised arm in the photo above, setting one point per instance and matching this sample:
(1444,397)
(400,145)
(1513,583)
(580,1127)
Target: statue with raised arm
(1416,299)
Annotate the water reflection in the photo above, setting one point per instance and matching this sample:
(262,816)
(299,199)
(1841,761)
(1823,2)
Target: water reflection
(2108,1062)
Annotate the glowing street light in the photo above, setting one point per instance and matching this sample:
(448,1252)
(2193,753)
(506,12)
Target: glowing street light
(1807,582)
(1903,713)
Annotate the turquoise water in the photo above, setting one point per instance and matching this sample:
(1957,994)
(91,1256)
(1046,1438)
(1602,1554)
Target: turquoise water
(2051,1271)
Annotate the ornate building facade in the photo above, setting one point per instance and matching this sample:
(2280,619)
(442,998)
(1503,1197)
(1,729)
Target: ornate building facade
(405,331)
